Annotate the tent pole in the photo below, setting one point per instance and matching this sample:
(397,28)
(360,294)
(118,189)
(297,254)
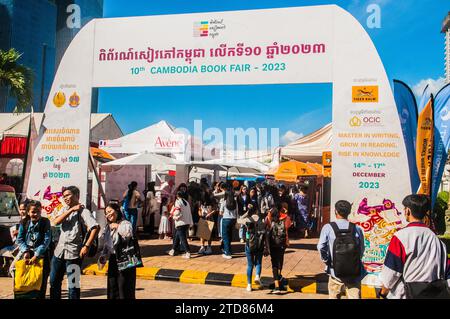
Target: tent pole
(100,186)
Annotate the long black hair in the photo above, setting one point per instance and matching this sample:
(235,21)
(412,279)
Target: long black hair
(131,188)
(116,208)
(164,201)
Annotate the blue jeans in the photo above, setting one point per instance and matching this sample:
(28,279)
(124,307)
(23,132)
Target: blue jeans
(253,260)
(131,215)
(227,233)
(58,270)
(180,238)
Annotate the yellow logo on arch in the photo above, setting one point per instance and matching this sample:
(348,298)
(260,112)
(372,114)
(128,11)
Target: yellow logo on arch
(59,99)
(355,121)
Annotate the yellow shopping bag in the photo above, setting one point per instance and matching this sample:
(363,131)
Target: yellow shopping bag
(28,277)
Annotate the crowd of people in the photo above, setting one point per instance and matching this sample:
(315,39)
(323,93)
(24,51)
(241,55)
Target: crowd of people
(263,215)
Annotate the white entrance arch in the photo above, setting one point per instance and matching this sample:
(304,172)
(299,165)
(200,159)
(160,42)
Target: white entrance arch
(319,44)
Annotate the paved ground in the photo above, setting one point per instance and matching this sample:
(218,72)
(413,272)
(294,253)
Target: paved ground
(301,260)
(94,287)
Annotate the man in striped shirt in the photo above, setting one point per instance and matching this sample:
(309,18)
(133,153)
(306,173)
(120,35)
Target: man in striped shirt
(415,253)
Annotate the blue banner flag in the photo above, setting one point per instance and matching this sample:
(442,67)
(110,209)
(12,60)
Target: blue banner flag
(407,112)
(441,137)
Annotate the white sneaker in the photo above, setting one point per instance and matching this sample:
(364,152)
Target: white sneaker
(171,252)
(226,256)
(258,280)
(187,255)
(202,250)
(242,241)
(208,251)
(249,287)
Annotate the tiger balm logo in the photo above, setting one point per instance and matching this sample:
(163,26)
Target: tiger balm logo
(365,94)
(59,99)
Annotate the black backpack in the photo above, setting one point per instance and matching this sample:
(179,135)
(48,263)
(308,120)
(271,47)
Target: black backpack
(278,234)
(255,237)
(346,260)
(85,234)
(230,202)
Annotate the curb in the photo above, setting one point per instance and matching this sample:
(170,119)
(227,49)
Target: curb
(311,286)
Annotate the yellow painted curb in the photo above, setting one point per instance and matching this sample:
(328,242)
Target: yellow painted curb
(146,273)
(310,289)
(193,277)
(239,281)
(94,271)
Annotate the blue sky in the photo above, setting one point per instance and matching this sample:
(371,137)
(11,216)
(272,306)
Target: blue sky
(409,42)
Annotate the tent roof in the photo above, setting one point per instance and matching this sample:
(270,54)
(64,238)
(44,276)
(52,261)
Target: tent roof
(310,147)
(17,124)
(289,171)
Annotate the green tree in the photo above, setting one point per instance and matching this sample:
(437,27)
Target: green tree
(16,78)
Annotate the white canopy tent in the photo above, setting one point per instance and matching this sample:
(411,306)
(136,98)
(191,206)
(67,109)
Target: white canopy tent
(239,166)
(310,148)
(160,138)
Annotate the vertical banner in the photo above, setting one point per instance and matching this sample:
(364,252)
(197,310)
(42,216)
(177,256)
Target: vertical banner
(441,137)
(424,149)
(407,112)
(60,158)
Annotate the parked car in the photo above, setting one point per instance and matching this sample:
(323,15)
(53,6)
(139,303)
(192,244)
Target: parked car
(9,208)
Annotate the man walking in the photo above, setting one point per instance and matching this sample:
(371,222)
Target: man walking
(70,249)
(341,248)
(416,260)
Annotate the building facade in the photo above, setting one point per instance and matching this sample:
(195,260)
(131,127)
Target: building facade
(29,27)
(446,31)
(42,30)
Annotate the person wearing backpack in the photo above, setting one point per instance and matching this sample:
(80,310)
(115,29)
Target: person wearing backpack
(416,264)
(77,239)
(341,247)
(34,240)
(277,225)
(255,238)
(228,211)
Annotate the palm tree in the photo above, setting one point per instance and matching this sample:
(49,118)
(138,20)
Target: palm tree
(16,78)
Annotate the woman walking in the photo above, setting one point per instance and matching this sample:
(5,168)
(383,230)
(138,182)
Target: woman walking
(277,224)
(122,252)
(255,238)
(181,213)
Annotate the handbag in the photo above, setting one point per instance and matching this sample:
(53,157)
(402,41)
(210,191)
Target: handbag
(204,229)
(437,289)
(28,278)
(128,254)
(85,237)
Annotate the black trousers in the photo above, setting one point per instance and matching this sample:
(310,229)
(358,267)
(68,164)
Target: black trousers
(121,284)
(277,258)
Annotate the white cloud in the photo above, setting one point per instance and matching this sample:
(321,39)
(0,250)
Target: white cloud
(434,86)
(290,137)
